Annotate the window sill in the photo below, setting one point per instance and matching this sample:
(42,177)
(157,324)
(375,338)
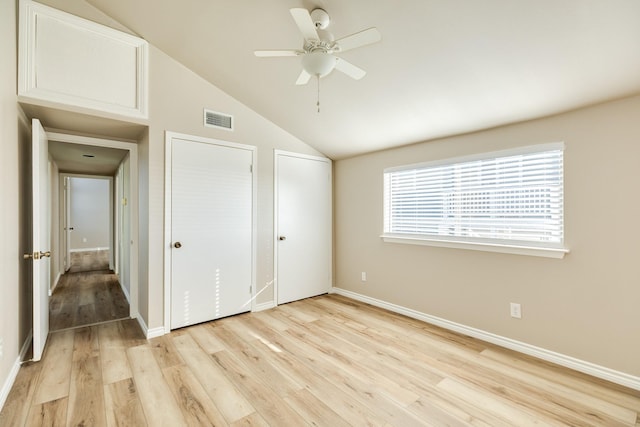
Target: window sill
(506,248)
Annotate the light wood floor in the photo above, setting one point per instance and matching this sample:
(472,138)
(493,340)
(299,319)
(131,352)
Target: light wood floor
(325,361)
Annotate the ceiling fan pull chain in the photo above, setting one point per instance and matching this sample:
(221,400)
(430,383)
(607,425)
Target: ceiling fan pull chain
(318,103)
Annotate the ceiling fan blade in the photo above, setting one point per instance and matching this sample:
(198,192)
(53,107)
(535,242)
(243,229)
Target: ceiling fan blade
(304,23)
(362,38)
(277,53)
(303,78)
(349,69)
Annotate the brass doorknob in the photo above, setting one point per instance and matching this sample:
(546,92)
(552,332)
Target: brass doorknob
(177,245)
(37,255)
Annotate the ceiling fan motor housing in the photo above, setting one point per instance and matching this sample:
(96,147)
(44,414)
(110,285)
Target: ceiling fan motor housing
(320,18)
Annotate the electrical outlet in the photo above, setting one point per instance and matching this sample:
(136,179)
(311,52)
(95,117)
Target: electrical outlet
(516,310)
(363,276)
(84,240)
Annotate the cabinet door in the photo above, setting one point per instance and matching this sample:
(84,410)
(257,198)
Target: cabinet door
(69,61)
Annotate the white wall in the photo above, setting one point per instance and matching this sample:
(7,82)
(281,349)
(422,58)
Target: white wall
(14,137)
(90,213)
(124,225)
(56,266)
(584,306)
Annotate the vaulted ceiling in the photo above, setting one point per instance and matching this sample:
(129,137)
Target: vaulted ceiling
(442,67)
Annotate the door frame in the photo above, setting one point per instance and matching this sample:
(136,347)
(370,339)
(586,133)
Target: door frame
(276,155)
(113,237)
(133,183)
(65,221)
(169,137)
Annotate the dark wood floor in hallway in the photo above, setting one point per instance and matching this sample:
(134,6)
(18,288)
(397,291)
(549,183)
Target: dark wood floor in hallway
(88,293)
(89,261)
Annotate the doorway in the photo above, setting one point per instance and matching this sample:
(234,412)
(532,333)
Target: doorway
(97,263)
(87,207)
(89,290)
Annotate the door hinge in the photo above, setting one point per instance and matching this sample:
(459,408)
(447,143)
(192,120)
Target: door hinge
(250,168)
(250,290)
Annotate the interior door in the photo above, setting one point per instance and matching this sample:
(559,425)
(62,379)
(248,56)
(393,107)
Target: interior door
(41,237)
(303,226)
(211,231)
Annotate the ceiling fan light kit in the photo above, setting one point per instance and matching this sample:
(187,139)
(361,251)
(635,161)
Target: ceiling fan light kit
(319,47)
(319,63)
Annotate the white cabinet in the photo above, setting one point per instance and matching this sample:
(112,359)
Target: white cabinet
(68,61)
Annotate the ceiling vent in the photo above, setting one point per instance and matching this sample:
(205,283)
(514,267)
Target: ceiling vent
(213,119)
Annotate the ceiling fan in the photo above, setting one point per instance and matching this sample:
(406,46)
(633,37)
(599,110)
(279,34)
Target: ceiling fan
(319,49)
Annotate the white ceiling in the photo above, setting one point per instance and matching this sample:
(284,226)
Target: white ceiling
(73,158)
(442,68)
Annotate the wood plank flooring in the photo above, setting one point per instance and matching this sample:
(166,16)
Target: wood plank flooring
(89,261)
(85,298)
(324,361)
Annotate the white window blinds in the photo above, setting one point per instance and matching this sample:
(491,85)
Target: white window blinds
(505,197)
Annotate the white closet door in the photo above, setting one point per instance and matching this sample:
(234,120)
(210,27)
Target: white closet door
(303,219)
(211,214)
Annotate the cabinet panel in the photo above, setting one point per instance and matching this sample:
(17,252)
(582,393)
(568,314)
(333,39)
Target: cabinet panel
(71,61)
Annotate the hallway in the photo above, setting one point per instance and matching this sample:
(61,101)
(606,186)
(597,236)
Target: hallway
(87,294)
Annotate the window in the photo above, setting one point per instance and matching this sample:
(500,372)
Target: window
(508,201)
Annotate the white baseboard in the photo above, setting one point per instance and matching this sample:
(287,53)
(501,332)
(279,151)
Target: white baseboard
(150,333)
(25,345)
(589,368)
(88,249)
(55,283)
(155,332)
(264,306)
(125,291)
(11,378)
(13,373)
(143,325)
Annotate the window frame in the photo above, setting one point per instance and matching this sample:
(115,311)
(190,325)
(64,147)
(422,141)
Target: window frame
(520,247)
